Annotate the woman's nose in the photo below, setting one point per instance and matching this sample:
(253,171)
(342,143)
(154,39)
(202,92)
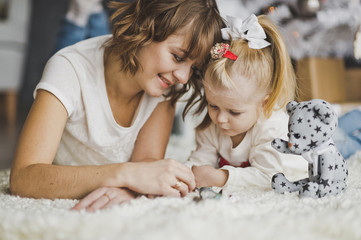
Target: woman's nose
(183,73)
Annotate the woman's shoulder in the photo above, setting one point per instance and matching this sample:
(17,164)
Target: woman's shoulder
(86,44)
(85,51)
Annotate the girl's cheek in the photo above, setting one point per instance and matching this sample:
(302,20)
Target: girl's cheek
(211,115)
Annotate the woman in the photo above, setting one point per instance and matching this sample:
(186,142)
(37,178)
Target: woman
(104,107)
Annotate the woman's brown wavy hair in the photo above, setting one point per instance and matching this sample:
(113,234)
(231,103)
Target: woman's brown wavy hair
(139,23)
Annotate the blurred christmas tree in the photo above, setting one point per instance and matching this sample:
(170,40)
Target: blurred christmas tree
(311,28)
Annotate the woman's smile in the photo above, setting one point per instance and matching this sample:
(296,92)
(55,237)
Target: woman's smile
(164,82)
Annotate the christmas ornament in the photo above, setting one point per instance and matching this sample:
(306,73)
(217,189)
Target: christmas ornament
(308,8)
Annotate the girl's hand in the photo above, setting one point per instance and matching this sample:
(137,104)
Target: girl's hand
(166,177)
(103,198)
(208,176)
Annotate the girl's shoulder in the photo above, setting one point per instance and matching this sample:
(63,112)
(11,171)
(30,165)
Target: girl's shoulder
(272,127)
(211,132)
(277,117)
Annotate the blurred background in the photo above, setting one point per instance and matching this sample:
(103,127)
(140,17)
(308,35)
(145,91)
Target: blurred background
(323,38)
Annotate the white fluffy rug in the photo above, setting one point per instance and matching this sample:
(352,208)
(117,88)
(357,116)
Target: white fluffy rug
(249,214)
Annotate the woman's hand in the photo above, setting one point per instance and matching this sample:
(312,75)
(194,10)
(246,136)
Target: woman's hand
(166,177)
(208,176)
(103,198)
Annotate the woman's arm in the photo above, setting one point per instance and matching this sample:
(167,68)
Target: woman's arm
(153,138)
(33,174)
(150,148)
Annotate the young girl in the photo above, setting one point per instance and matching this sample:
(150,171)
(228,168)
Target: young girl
(104,107)
(246,86)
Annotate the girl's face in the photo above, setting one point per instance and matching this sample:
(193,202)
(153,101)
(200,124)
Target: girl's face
(163,64)
(234,111)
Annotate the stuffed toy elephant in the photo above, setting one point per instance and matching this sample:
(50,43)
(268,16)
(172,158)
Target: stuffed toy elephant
(310,128)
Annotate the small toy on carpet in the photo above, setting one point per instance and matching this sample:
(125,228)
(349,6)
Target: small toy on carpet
(207,193)
(311,125)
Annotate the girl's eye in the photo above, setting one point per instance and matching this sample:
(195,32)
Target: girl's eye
(234,113)
(177,58)
(213,106)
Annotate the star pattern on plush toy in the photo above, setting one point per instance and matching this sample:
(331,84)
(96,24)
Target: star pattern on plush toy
(305,188)
(312,144)
(324,182)
(318,129)
(311,125)
(316,113)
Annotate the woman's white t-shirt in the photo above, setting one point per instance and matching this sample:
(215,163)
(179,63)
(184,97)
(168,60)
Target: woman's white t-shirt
(75,75)
(255,148)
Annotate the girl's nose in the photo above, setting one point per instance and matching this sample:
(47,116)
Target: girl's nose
(183,73)
(221,117)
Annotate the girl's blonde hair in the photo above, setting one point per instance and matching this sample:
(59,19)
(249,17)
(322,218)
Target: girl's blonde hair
(270,67)
(142,22)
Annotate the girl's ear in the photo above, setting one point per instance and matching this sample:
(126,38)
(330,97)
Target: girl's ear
(265,100)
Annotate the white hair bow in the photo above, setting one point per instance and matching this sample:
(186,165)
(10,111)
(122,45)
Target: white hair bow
(249,29)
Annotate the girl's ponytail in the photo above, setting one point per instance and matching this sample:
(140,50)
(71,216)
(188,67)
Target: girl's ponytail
(283,82)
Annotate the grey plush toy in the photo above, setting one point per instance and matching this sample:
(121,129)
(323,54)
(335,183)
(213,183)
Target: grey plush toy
(311,125)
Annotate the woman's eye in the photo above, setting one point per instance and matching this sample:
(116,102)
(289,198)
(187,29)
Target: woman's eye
(177,58)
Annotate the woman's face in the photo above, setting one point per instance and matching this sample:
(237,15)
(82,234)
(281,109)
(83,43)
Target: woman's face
(163,64)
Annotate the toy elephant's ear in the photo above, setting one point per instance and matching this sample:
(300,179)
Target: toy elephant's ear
(291,106)
(324,113)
